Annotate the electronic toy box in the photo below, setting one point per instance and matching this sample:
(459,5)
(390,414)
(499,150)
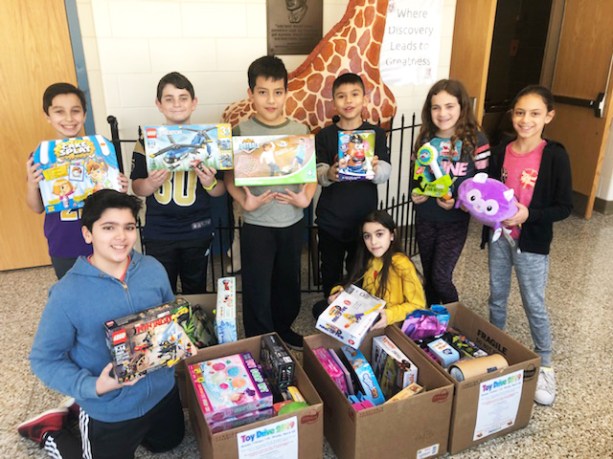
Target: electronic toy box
(350,316)
(149,340)
(428,175)
(175,148)
(75,168)
(356,150)
(274,160)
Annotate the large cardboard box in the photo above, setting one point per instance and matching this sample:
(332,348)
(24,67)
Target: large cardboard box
(224,445)
(416,427)
(466,401)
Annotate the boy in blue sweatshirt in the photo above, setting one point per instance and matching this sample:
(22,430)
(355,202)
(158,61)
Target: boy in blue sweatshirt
(70,352)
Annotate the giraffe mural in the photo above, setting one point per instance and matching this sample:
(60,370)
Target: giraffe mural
(352,45)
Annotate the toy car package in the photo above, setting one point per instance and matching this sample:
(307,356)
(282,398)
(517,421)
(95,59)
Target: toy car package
(175,148)
(149,340)
(75,168)
(356,150)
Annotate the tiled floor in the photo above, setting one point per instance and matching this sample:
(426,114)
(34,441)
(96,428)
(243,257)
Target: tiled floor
(580,299)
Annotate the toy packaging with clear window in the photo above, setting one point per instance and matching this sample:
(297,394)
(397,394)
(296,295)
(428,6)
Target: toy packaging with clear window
(225,313)
(355,153)
(175,148)
(75,168)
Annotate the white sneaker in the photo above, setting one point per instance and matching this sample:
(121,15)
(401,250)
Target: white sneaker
(545,387)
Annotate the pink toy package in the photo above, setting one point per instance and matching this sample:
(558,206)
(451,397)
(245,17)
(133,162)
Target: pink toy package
(229,386)
(331,368)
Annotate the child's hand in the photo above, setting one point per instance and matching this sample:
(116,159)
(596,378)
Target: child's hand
(446,204)
(205,174)
(382,322)
(418,198)
(252,202)
(123,183)
(335,295)
(520,216)
(34,172)
(106,383)
(374,162)
(300,199)
(333,172)
(157,178)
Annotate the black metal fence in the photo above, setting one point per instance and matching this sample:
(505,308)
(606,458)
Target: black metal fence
(395,198)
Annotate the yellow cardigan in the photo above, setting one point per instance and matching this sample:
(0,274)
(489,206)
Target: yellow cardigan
(404,293)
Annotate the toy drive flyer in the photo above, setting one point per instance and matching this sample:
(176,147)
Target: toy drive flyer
(75,168)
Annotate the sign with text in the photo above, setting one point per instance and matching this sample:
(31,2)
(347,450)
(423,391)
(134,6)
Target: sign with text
(293,26)
(271,441)
(411,43)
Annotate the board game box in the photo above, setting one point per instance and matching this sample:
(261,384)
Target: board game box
(149,340)
(274,160)
(75,168)
(356,150)
(175,148)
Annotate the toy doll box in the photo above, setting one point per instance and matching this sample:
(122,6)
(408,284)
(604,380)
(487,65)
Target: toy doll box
(274,160)
(224,445)
(355,153)
(416,427)
(148,340)
(473,403)
(350,316)
(175,148)
(75,168)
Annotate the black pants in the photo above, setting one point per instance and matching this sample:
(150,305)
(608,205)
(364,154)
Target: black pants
(336,255)
(270,259)
(186,260)
(161,429)
(62,265)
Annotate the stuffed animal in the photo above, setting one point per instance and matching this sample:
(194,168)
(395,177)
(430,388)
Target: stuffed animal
(487,201)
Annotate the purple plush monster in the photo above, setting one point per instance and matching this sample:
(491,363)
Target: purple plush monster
(487,201)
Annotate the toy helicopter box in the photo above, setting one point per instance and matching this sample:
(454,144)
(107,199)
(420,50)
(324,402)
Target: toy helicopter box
(175,148)
(75,168)
(274,160)
(225,314)
(350,316)
(428,175)
(355,153)
(149,340)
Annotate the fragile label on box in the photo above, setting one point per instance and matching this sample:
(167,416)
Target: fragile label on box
(278,440)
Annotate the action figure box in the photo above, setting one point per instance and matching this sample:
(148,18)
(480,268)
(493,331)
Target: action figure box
(225,313)
(356,150)
(175,148)
(75,168)
(274,160)
(227,444)
(415,427)
(149,340)
(349,317)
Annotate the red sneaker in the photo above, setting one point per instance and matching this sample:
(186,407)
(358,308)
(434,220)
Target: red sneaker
(49,421)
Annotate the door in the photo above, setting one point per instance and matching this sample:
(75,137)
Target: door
(36,52)
(472,42)
(582,71)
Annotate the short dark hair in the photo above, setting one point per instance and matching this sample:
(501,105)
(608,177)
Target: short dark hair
(540,91)
(178,80)
(57,89)
(267,67)
(97,203)
(348,78)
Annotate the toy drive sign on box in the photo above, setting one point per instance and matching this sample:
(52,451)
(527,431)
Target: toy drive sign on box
(274,160)
(179,148)
(75,168)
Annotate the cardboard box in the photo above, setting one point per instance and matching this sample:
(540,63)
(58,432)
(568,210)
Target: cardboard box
(224,445)
(467,393)
(417,426)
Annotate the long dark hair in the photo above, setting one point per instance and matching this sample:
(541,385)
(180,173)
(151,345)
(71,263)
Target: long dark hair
(466,128)
(363,256)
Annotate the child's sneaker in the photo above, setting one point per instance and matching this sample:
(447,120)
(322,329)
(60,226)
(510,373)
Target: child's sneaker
(545,387)
(319,307)
(49,421)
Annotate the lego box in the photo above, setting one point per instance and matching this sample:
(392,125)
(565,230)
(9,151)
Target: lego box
(75,168)
(274,160)
(356,150)
(176,147)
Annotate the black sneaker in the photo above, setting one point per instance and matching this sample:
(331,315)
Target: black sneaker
(292,339)
(319,307)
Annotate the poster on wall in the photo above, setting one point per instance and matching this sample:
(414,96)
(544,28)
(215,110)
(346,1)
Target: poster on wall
(411,43)
(293,26)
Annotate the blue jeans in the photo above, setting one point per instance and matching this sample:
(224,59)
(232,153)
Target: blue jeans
(531,270)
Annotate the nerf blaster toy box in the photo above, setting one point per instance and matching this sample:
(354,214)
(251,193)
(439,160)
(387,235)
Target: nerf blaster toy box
(177,147)
(274,160)
(75,168)
(355,153)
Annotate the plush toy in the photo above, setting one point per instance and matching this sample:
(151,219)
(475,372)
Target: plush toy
(487,201)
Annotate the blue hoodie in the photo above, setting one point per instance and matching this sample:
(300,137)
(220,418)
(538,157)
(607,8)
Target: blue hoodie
(70,349)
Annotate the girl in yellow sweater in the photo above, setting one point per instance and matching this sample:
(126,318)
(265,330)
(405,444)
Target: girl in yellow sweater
(385,270)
